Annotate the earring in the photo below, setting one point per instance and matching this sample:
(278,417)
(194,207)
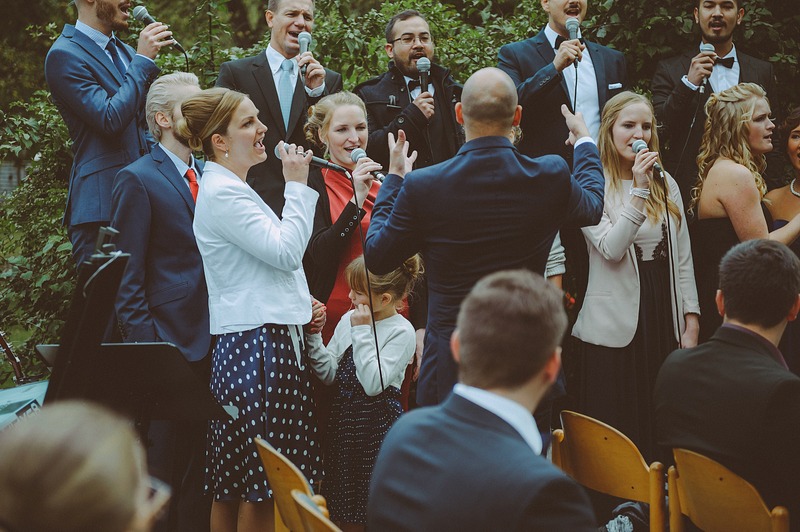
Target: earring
(226,154)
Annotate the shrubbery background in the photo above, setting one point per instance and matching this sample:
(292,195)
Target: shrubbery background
(36,271)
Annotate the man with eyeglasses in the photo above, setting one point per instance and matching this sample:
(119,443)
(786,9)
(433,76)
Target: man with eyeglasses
(396,101)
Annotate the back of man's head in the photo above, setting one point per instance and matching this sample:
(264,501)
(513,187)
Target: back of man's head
(508,328)
(489,99)
(165,94)
(760,281)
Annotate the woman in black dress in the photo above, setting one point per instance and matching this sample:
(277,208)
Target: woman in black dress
(727,198)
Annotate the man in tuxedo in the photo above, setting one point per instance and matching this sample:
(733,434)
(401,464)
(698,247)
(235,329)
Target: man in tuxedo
(99,85)
(733,398)
(473,462)
(489,208)
(682,84)
(395,100)
(162,296)
(275,83)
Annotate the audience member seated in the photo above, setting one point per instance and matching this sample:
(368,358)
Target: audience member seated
(733,398)
(75,467)
(473,463)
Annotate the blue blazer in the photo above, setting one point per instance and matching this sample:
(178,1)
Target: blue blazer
(458,466)
(487,209)
(542,90)
(162,296)
(104,113)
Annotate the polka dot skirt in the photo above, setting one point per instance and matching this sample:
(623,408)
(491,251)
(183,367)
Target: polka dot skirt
(256,371)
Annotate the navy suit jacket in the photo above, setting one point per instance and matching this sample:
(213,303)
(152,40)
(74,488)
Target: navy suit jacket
(542,90)
(487,209)
(104,113)
(730,400)
(458,466)
(163,295)
(253,77)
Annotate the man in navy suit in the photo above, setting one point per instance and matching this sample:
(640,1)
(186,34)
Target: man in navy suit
(261,78)
(733,398)
(489,208)
(99,85)
(162,296)
(473,462)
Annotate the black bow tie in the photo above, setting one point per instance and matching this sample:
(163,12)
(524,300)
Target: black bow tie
(413,84)
(727,62)
(560,39)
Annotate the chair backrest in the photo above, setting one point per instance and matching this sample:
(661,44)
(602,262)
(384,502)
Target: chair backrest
(313,515)
(603,459)
(283,477)
(717,499)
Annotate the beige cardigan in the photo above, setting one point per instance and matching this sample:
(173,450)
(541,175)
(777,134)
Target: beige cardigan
(610,312)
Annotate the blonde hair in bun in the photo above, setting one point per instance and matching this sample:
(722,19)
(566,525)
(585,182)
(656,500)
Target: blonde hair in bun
(205,114)
(397,283)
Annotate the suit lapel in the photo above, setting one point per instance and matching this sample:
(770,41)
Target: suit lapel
(92,49)
(168,170)
(266,83)
(598,61)
(548,54)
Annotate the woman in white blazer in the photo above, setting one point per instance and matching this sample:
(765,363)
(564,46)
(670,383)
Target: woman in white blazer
(258,300)
(641,299)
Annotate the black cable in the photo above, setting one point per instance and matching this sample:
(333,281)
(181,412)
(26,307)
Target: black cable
(689,133)
(671,257)
(369,285)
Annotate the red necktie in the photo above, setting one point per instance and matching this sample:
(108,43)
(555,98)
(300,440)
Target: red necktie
(194,188)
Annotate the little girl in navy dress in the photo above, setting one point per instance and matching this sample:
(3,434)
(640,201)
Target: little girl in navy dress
(367,402)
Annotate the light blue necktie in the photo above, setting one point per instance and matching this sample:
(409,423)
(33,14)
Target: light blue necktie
(286,91)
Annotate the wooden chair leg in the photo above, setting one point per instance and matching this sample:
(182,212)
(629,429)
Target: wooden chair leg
(279,526)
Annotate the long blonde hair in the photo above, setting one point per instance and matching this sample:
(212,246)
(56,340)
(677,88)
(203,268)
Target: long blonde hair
(612,163)
(726,135)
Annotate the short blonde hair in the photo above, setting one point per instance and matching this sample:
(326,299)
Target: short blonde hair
(164,95)
(205,114)
(73,467)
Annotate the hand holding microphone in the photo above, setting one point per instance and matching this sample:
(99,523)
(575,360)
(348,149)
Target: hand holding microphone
(702,65)
(569,51)
(646,162)
(151,40)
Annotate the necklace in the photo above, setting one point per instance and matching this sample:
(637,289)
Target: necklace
(791,187)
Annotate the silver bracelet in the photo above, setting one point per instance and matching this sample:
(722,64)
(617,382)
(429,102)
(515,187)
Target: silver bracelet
(643,193)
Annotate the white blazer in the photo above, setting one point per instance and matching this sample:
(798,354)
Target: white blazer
(610,312)
(253,260)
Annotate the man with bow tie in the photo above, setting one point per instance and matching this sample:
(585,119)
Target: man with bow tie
(682,84)
(395,100)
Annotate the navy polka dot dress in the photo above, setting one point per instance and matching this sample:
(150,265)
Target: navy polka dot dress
(257,372)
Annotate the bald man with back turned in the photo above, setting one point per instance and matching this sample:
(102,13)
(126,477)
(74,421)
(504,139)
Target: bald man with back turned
(487,209)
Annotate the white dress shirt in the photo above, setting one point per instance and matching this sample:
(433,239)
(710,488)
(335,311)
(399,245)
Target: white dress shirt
(181,165)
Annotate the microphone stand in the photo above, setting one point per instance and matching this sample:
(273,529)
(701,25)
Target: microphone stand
(369,285)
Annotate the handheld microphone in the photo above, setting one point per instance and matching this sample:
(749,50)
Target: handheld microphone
(304,39)
(140,13)
(705,47)
(359,153)
(639,145)
(573,24)
(315,161)
(424,67)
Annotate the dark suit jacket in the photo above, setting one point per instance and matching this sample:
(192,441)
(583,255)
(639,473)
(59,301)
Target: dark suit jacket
(458,466)
(162,296)
(731,401)
(542,90)
(253,77)
(676,104)
(104,113)
(489,208)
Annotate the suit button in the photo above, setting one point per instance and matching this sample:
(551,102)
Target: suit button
(401,120)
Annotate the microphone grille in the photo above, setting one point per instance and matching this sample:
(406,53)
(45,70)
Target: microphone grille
(424,64)
(706,47)
(278,151)
(140,13)
(357,154)
(572,24)
(639,145)
(304,37)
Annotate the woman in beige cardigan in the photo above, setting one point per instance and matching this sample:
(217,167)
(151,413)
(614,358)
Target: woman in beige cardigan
(641,300)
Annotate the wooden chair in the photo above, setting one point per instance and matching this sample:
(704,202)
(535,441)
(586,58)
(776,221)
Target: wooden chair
(313,513)
(715,498)
(603,459)
(283,477)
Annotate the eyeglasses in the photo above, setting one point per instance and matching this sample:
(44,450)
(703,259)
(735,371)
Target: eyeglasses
(408,39)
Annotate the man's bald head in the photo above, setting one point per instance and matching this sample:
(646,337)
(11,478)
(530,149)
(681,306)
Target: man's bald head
(489,99)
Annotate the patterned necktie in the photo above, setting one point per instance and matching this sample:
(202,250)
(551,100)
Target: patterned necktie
(112,49)
(286,91)
(194,188)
